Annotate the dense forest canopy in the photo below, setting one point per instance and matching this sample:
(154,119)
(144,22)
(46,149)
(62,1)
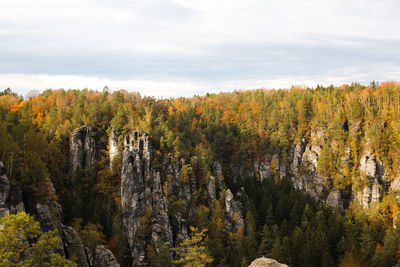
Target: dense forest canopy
(234,129)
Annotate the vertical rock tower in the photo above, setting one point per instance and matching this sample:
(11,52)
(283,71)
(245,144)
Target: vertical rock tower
(144,205)
(84,148)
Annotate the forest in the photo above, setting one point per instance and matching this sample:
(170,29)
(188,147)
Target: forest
(246,141)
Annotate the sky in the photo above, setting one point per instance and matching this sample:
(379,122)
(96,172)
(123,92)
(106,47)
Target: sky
(173,48)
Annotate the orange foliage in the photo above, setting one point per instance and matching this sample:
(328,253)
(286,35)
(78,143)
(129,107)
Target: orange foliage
(93,97)
(39,107)
(179,105)
(199,110)
(7,102)
(379,248)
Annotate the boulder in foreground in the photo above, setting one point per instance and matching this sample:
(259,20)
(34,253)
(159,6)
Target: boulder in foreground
(265,262)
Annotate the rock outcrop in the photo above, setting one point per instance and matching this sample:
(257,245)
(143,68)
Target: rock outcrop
(144,206)
(145,210)
(372,173)
(84,148)
(10,194)
(112,146)
(233,212)
(211,187)
(334,200)
(305,175)
(266,262)
(263,168)
(74,247)
(104,258)
(304,171)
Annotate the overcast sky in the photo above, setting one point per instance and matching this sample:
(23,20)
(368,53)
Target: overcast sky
(170,48)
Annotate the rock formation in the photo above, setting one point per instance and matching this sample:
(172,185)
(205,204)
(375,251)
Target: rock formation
(84,148)
(334,200)
(10,194)
(144,202)
(112,146)
(211,187)
(233,212)
(74,247)
(104,258)
(303,170)
(145,207)
(266,262)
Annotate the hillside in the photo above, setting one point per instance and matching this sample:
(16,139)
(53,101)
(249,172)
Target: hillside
(309,177)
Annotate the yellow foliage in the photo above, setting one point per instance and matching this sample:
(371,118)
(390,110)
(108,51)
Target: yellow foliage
(192,252)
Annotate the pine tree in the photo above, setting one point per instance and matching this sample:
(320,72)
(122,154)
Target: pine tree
(250,241)
(367,242)
(266,241)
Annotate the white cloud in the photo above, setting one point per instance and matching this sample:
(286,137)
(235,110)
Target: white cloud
(172,88)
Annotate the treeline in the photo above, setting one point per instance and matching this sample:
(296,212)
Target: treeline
(231,128)
(286,225)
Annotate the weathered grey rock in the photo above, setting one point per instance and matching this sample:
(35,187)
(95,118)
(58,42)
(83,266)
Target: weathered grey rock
(366,197)
(368,164)
(45,217)
(211,187)
(104,258)
(4,191)
(372,171)
(84,148)
(375,194)
(264,170)
(310,159)
(10,195)
(362,197)
(299,149)
(228,200)
(233,213)
(89,255)
(49,213)
(306,177)
(144,204)
(73,246)
(395,184)
(113,146)
(217,170)
(335,200)
(181,228)
(266,262)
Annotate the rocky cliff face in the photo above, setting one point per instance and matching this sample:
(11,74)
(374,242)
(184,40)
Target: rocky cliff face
(372,172)
(112,146)
(233,212)
(84,148)
(49,215)
(145,207)
(303,170)
(104,258)
(10,194)
(73,246)
(144,201)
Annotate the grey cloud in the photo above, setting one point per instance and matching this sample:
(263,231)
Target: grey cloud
(221,62)
(179,40)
